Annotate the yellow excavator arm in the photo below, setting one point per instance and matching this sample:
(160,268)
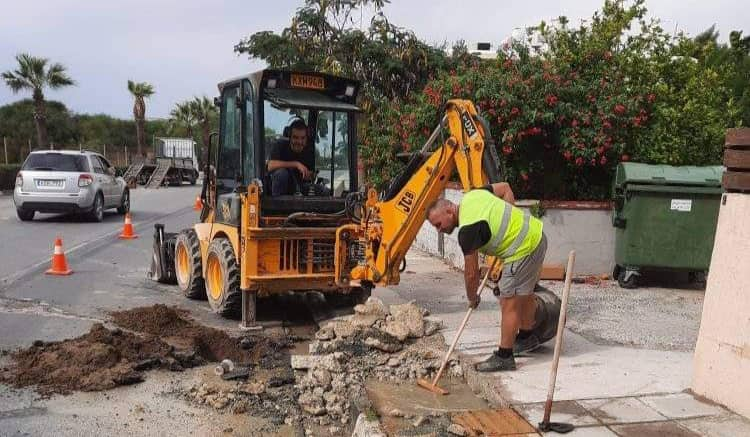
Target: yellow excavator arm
(373,251)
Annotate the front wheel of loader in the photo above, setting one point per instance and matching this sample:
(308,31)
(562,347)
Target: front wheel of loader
(187,265)
(223,278)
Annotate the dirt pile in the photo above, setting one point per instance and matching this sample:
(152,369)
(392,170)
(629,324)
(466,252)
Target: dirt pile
(103,358)
(176,328)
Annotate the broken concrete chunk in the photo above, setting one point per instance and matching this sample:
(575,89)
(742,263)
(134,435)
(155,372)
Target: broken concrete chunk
(396,329)
(304,362)
(253,388)
(322,377)
(457,429)
(410,315)
(325,333)
(432,326)
(394,362)
(367,428)
(383,346)
(342,328)
(396,413)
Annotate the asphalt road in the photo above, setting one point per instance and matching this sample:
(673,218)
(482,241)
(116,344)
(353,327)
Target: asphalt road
(108,273)
(26,244)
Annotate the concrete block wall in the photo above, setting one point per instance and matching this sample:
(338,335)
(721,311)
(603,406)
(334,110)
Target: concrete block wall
(587,231)
(721,364)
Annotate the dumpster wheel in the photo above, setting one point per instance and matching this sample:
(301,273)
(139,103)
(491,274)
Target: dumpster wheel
(223,278)
(628,278)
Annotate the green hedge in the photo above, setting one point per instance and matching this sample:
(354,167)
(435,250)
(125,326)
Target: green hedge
(8,174)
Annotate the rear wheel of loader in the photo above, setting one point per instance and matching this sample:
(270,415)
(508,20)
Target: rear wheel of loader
(223,278)
(187,265)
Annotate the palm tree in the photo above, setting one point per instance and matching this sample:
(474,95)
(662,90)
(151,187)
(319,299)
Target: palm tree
(33,74)
(141,91)
(205,112)
(182,116)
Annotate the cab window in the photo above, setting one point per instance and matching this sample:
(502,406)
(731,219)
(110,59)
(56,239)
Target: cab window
(228,160)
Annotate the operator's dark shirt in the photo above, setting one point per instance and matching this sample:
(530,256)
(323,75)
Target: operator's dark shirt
(281,151)
(472,237)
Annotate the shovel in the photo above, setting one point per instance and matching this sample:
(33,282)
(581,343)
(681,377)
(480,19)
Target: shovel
(545,425)
(432,386)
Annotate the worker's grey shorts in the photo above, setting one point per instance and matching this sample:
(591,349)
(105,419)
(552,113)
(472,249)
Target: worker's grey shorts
(520,276)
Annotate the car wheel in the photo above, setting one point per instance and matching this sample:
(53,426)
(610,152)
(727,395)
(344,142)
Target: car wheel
(193,178)
(25,215)
(124,207)
(97,210)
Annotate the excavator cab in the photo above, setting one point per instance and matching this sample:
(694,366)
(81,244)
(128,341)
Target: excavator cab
(256,111)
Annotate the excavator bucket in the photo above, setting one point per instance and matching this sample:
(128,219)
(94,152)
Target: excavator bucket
(162,260)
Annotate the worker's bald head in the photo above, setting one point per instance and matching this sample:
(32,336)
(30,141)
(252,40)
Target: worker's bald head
(443,214)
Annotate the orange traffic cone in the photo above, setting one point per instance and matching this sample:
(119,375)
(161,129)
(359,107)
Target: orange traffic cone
(198,204)
(59,265)
(127,230)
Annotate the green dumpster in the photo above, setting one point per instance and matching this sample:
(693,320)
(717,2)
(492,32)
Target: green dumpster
(665,218)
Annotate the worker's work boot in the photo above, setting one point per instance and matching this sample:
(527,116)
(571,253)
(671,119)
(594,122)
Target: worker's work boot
(495,363)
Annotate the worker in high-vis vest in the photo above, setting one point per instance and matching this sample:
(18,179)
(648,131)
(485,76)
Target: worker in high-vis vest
(488,222)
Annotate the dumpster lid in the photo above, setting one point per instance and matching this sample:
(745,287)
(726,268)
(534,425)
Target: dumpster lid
(688,175)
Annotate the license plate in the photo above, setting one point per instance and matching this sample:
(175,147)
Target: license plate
(47,183)
(307,81)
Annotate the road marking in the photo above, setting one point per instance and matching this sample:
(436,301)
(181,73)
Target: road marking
(90,245)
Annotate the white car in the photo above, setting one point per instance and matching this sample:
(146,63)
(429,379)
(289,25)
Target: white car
(65,181)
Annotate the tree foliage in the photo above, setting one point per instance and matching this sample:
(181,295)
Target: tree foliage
(35,75)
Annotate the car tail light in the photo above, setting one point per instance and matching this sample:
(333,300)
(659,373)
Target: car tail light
(19,180)
(85,180)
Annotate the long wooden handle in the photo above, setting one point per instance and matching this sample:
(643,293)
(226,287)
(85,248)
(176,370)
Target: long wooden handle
(463,325)
(559,336)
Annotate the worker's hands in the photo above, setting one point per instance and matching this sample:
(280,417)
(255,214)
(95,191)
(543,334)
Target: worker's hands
(474,301)
(304,171)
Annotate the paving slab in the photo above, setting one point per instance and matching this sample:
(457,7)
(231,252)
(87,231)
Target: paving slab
(565,411)
(621,410)
(657,429)
(588,431)
(729,425)
(681,405)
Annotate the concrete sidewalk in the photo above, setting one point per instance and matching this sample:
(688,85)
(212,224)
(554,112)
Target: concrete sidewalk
(626,362)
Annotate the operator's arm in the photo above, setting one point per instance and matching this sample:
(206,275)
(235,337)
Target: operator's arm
(471,277)
(276,160)
(503,191)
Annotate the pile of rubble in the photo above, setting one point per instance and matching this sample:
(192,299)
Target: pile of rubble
(395,343)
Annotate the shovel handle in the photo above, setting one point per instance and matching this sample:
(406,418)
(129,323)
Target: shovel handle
(463,325)
(559,336)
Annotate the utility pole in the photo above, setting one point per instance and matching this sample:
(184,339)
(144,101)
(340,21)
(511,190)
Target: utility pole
(105,150)
(5,149)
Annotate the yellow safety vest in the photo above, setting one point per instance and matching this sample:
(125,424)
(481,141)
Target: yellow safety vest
(515,233)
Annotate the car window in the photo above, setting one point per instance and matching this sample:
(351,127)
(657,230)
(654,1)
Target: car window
(105,162)
(51,161)
(98,168)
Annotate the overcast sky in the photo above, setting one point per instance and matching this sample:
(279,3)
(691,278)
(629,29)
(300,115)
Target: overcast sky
(184,47)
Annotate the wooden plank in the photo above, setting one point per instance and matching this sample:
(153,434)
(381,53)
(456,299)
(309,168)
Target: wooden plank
(733,180)
(737,159)
(737,137)
(553,272)
(502,422)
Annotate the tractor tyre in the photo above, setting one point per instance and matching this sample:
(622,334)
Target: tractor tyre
(223,278)
(187,265)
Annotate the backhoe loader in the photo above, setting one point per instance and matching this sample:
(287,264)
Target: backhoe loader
(250,244)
